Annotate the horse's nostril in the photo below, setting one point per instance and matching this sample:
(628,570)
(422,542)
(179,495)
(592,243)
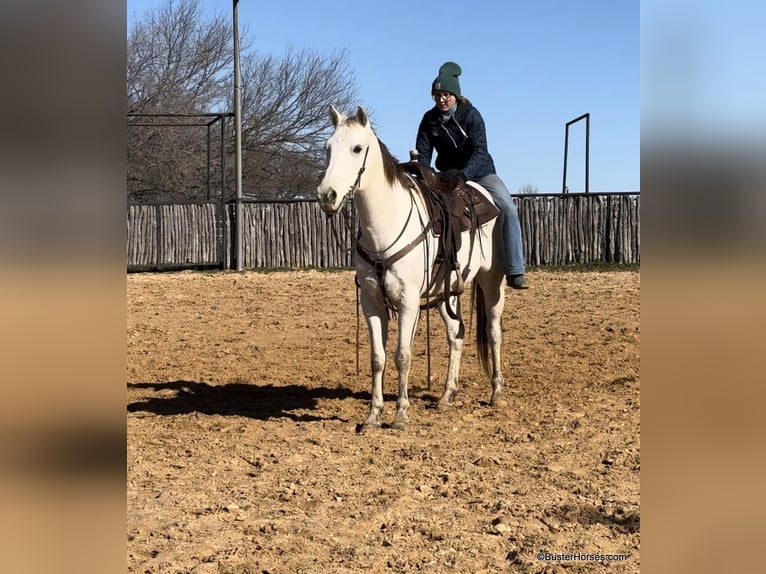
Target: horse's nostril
(332,195)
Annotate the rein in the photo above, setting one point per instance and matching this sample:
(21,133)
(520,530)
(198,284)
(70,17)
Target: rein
(370,252)
(381,265)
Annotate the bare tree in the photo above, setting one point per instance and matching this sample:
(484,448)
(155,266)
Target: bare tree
(180,61)
(285,103)
(528,189)
(177,62)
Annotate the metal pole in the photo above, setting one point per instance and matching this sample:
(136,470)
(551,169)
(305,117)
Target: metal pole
(587,153)
(208,161)
(238,138)
(225,249)
(566,148)
(586,117)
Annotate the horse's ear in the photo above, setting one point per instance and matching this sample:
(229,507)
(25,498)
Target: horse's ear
(335,116)
(361,116)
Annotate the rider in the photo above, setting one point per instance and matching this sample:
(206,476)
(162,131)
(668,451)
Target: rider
(456,130)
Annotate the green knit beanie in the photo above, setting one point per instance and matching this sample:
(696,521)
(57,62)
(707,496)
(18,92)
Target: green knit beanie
(447,80)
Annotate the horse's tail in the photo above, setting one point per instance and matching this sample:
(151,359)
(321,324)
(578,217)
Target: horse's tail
(482,340)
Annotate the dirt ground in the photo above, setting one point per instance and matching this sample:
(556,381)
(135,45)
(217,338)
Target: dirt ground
(243,456)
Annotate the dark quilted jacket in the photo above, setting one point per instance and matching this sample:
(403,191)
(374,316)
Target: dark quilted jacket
(460,143)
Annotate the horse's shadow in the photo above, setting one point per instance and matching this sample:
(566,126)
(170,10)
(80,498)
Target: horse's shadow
(262,402)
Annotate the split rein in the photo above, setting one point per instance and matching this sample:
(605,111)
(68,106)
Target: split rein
(380,265)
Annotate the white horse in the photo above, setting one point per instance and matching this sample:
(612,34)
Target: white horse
(395,257)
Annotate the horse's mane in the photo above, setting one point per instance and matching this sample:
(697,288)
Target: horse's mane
(391,167)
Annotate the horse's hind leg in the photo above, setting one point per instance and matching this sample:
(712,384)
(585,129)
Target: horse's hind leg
(455,333)
(377,325)
(493,296)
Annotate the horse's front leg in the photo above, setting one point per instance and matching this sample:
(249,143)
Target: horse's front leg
(455,334)
(409,312)
(377,326)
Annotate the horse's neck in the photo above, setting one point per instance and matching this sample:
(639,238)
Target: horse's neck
(384,210)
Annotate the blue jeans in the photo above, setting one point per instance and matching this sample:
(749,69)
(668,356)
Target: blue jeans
(509,221)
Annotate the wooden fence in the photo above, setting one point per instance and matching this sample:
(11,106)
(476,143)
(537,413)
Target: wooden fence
(580,228)
(556,229)
(177,235)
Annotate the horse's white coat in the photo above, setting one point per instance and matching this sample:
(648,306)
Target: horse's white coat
(390,217)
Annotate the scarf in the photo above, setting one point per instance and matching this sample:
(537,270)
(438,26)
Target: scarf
(445,117)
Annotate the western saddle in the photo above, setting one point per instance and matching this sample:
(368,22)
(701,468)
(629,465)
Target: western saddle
(452,211)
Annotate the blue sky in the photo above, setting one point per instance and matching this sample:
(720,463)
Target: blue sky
(528,66)
(704,72)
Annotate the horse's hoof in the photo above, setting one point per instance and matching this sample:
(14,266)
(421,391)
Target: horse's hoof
(444,406)
(364,427)
(400,425)
(498,402)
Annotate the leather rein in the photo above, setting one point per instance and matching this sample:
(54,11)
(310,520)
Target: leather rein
(378,263)
(381,265)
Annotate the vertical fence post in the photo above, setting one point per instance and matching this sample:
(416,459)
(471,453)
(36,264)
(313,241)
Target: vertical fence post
(238,139)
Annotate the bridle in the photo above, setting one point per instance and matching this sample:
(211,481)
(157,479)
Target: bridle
(372,256)
(375,257)
(355,186)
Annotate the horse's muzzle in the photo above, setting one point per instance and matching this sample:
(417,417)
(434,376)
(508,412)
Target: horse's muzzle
(328,200)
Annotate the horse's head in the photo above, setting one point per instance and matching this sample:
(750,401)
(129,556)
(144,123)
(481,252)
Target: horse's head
(347,151)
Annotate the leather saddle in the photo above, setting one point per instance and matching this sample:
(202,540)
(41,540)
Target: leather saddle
(452,211)
(459,209)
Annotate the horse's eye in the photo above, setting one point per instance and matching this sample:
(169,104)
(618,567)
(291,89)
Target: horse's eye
(357,149)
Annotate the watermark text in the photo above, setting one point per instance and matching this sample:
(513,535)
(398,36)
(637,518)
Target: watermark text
(545,556)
